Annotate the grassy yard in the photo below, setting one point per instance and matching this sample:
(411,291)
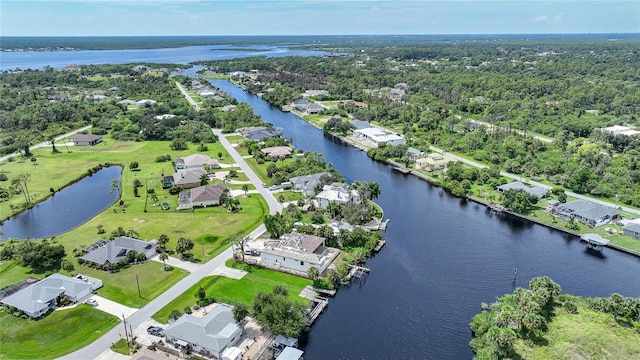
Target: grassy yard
(121,347)
(207,227)
(234,291)
(59,333)
(586,335)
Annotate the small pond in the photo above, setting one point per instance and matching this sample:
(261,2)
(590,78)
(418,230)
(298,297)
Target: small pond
(67,209)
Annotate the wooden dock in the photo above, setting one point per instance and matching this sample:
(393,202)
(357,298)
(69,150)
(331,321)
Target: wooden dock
(320,304)
(383,225)
(379,246)
(357,272)
(402,169)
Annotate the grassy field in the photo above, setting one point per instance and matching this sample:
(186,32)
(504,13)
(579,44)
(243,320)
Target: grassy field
(586,335)
(121,347)
(207,227)
(234,291)
(59,333)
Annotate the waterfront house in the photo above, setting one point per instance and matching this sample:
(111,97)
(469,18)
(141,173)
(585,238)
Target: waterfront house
(196,161)
(210,335)
(258,133)
(201,196)
(126,102)
(337,193)
(632,229)
(415,154)
(85,139)
(40,297)
(277,152)
(307,183)
(433,162)
(188,178)
(538,191)
(586,212)
(359,124)
(378,136)
(106,252)
(298,252)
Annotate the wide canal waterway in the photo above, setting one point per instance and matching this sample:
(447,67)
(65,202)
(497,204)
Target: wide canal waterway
(444,257)
(72,206)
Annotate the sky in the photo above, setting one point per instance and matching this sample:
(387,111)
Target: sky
(314,17)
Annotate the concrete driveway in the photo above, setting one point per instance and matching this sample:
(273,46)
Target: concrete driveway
(112,307)
(177,263)
(141,335)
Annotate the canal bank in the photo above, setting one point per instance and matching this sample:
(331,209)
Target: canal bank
(430,180)
(444,256)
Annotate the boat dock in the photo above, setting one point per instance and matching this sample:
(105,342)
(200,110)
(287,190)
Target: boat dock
(379,246)
(594,241)
(383,225)
(319,304)
(357,272)
(402,169)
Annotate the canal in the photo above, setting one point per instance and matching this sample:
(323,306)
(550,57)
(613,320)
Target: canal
(444,257)
(67,209)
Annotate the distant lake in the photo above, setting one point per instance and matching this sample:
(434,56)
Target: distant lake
(67,209)
(38,60)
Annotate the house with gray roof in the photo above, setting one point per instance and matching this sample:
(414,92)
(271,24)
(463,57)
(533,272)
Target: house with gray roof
(307,183)
(201,196)
(359,124)
(209,335)
(586,212)
(632,230)
(188,178)
(37,299)
(337,193)
(85,139)
(195,161)
(538,192)
(111,252)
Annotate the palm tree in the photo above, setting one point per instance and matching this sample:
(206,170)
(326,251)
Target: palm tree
(163,239)
(163,256)
(115,186)
(184,245)
(245,188)
(373,190)
(154,198)
(132,233)
(313,273)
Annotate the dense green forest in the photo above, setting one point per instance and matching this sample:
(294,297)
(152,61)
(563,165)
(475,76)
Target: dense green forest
(528,107)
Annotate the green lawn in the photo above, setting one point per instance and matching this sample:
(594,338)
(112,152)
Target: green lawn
(57,334)
(586,335)
(122,286)
(121,347)
(234,291)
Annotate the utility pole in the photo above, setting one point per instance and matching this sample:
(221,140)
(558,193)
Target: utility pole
(138,283)
(126,333)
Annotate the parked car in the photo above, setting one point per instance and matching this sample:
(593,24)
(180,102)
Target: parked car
(273,187)
(264,185)
(155,330)
(91,302)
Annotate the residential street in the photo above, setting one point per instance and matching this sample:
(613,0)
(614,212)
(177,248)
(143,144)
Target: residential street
(138,318)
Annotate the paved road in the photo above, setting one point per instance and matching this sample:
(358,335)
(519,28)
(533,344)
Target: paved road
(138,318)
(186,95)
(534,183)
(274,205)
(45,144)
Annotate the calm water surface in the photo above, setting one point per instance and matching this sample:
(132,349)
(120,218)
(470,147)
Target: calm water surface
(37,60)
(67,209)
(444,256)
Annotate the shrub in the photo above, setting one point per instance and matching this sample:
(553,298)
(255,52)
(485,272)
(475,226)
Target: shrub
(163,158)
(3,177)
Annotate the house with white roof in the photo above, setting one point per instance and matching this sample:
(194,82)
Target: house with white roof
(37,299)
(538,191)
(337,193)
(210,335)
(196,161)
(298,252)
(379,136)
